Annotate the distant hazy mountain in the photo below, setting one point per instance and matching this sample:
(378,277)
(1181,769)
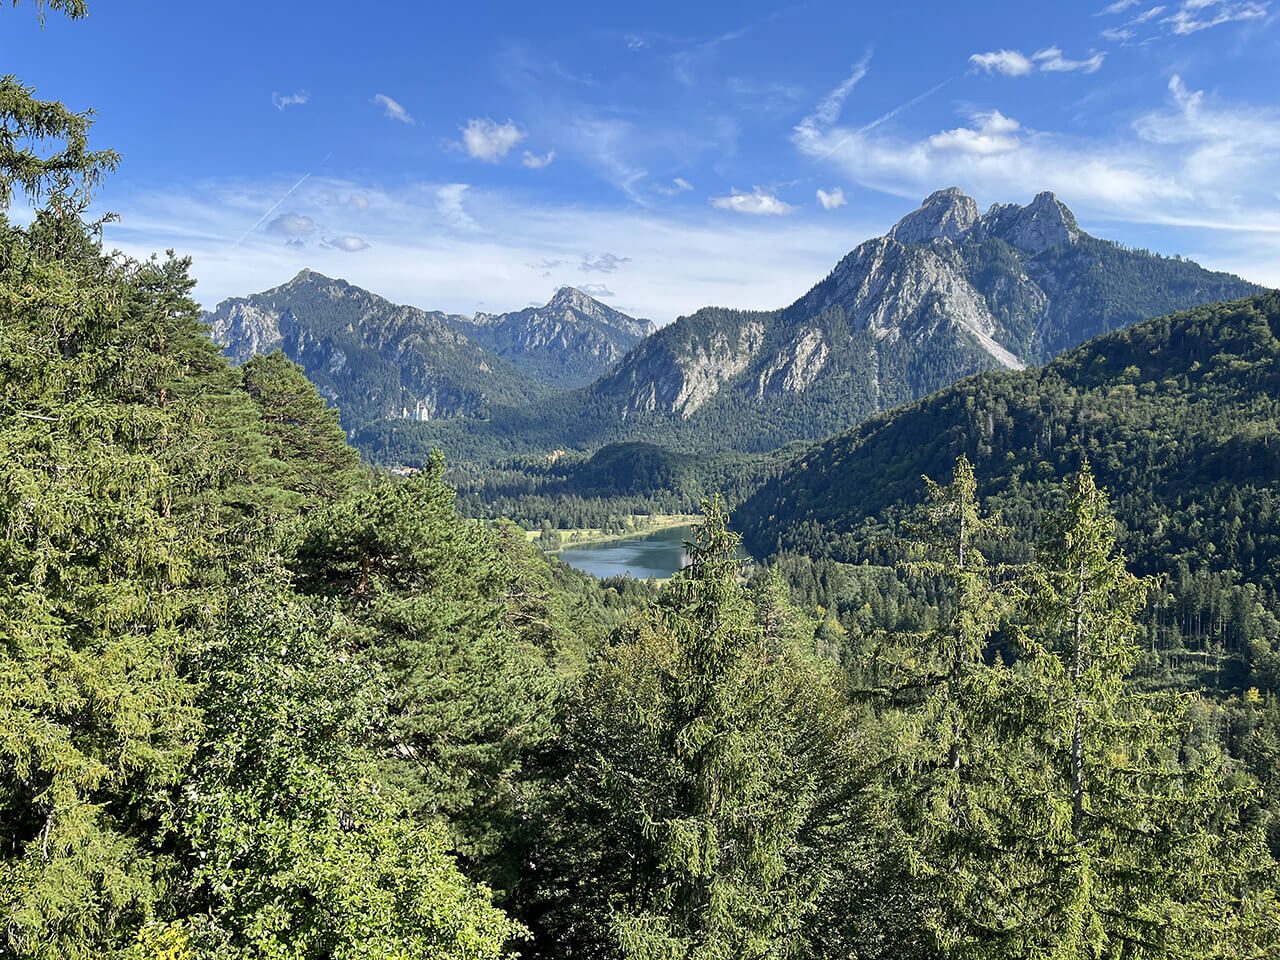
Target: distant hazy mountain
(947,293)
(377,360)
(570,342)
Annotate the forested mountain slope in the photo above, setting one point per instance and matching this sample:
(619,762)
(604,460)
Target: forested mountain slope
(569,342)
(947,293)
(1179,416)
(375,359)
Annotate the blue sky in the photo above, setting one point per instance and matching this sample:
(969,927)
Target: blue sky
(663,156)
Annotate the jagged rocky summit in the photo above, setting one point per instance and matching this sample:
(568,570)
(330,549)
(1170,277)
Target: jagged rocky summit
(947,292)
(569,342)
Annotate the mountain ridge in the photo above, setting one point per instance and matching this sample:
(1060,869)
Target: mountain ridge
(1179,412)
(893,321)
(377,359)
(570,341)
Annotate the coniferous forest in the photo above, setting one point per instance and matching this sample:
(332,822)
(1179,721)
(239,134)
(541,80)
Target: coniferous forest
(261,700)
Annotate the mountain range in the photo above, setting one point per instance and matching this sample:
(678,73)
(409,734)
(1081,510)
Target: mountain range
(380,361)
(947,293)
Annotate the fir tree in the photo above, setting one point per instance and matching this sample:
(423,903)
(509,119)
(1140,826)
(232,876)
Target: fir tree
(1142,846)
(711,774)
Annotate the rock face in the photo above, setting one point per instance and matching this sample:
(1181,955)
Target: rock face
(569,342)
(946,293)
(945,213)
(377,360)
(1044,223)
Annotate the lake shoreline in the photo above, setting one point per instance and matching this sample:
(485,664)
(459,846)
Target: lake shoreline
(581,537)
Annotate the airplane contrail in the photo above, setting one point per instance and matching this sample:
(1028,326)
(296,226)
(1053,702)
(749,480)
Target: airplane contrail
(888,116)
(278,202)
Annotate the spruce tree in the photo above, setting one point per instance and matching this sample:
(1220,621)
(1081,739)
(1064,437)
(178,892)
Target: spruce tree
(1141,842)
(941,698)
(710,774)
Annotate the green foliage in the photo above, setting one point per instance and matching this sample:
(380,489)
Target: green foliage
(1141,847)
(44,147)
(292,850)
(1177,415)
(303,435)
(709,770)
(469,657)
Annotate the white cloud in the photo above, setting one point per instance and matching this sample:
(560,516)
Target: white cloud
(1193,163)
(1118,34)
(758,202)
(990,133)
(605,263)
(355,201)
(1051,60)
(682,261)
(828,110)
(393,109)
(1009,62)
(449,199)
(1196,15)
(486,139)
(678,185)
(292,225)
(1014,63)
(347,244)
(280,101)
(1146,15)
(832,199)
(535,162)
(596,290)
(1120,6)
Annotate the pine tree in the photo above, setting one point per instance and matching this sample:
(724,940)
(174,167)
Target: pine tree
(942,701)
(711,773)
(426,597)
(1141,842)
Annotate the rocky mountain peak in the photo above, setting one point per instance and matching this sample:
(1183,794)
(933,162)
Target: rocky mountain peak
(945,213)
(572,298)
(1042,224)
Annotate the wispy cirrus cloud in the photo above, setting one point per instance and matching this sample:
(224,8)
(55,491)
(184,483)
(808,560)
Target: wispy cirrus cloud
(392,109)
(1051,60)
(282,100)
(483,138)
(678,185)
(1192,16)
(535,162)
(1189,17)
(1014,63)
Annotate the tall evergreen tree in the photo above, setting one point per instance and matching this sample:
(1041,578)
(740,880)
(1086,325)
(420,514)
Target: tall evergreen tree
(427,599)
(941,696)
(1142,844)
(710,774)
